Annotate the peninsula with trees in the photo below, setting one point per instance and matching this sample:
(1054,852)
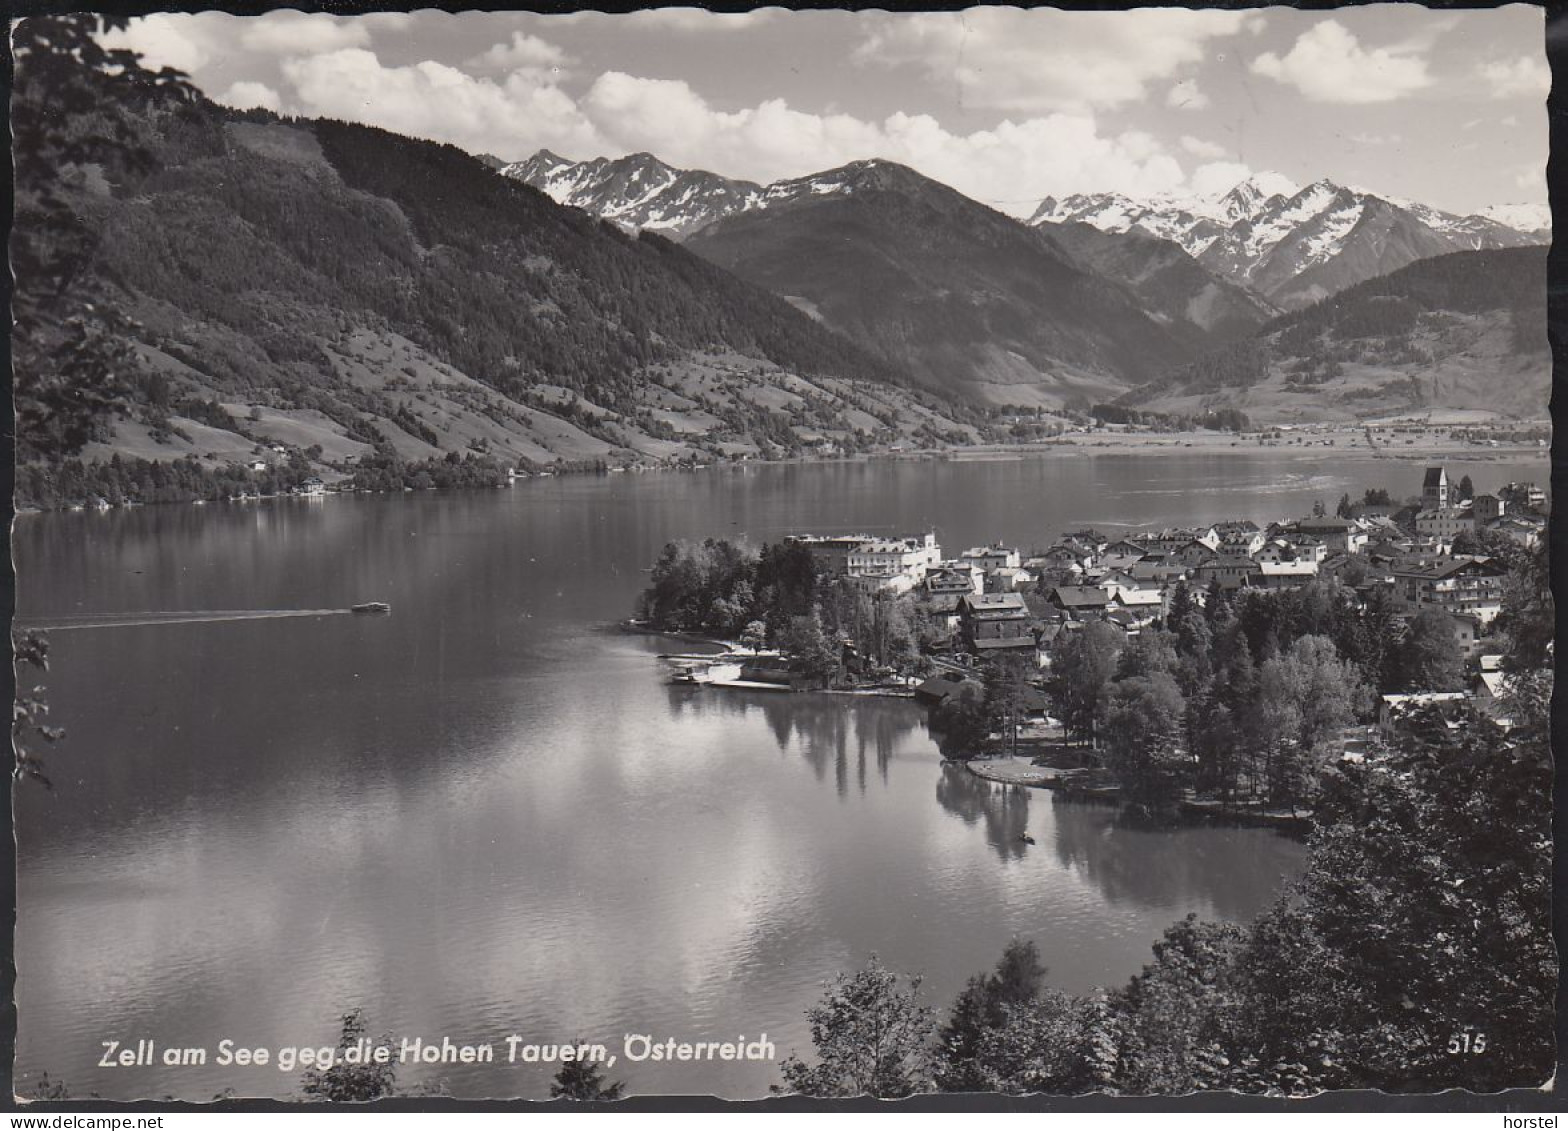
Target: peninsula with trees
(1215,670)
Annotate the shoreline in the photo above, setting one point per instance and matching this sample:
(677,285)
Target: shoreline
(1192,810)
(1083,444)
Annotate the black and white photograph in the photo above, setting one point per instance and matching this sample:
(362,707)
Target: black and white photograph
(586,556)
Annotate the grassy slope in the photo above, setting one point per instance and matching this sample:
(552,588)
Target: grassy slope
(281,271)
(1456,333)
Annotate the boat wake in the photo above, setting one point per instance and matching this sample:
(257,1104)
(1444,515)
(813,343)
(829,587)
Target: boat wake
(196,616)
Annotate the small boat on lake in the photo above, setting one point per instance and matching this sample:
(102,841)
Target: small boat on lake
(372,607)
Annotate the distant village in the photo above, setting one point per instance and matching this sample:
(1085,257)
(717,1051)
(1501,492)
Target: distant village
(1002,600)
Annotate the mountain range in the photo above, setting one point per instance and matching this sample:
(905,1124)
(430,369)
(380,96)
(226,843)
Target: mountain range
(377,293)
(1289,249)
(1464,331)
(639,191)
(949,290)
(962,297)
(1295,249)
(382,295)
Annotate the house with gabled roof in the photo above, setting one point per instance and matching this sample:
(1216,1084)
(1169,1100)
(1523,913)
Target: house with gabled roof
(1453,584)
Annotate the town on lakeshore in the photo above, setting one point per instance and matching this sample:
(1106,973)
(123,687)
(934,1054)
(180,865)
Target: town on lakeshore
(876,613)
(1215,666)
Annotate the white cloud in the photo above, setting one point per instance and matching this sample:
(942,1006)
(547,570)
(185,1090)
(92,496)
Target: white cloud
(509,118)
(388,21)
(692,21)
(1328,64)
(296,33)
(1524,77)
(696,19)
(1219,177)
(1046,59)
(213,40)
(249,95)
(1011,166)
(526,53)
(164,40)
(1200,148)
(1186,95)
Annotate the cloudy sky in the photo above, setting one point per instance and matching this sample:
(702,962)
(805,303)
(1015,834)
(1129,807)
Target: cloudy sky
(1005,105)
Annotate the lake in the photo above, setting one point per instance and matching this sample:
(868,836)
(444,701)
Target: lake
(488,813)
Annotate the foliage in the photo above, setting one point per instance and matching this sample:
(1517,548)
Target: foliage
(1018,980)
(1414,955)
(871,1036)
(1143,739)
(1083,666)
(811,652)
(1007,691)
(1528,617)
(963,721)
(1428,656)
(584,1080)
(30,712)
(45,1089)
(74,115)
(350,1083)
(116,481)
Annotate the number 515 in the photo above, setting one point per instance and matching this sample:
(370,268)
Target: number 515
(1466,1042)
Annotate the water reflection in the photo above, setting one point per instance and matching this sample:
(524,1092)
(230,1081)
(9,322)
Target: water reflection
(482,812)
(1233,871)
(845,737)
(1003,808)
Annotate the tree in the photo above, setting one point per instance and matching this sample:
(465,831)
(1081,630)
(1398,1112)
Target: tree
(1151,652)
(1007,692)
(1216,746)
(72,344)
(1425,915)
(350,1083)
(1174,1020)
(583,1080)
(1083,665)
(1428,656)
(754,635)
(1305,698)
(872,1038)
(1342,510)
(1466,489)
(1017,980)
(810,651)
(1494,544)
(30,712)
(963,721)
(1528,619)
(1143,739)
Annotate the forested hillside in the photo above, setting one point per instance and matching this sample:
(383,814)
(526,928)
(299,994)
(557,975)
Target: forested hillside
(1461,331)
(967,300)
(274,287)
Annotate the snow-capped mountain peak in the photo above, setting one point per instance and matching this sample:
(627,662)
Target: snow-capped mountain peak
(1295,249)
(637,191)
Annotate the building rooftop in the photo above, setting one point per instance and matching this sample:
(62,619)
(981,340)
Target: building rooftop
(997,601)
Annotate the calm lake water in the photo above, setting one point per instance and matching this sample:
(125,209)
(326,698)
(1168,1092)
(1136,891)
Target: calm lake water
(488,814)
